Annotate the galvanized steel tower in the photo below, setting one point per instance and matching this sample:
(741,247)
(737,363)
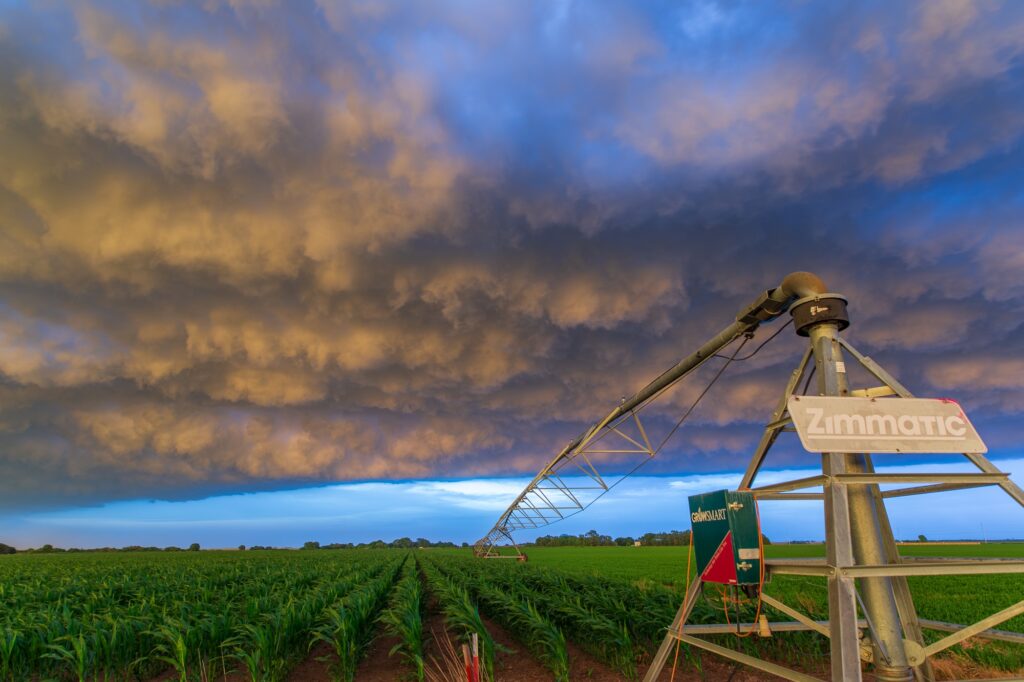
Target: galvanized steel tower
(871,610)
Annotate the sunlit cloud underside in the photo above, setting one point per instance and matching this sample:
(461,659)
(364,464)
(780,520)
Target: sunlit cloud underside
(258,246)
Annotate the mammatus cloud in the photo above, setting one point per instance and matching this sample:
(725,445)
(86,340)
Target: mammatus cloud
(250,244)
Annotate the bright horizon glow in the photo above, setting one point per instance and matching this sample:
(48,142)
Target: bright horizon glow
(464,510)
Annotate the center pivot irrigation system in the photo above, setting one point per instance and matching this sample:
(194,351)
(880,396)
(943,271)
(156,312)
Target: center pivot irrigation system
(871,611)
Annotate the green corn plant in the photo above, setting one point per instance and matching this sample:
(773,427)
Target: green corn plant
(252,660)
(590,610)
(537,633)
(546,638)
(257,648)
(347,626)
(173,647)
(404,620)
(77,655)
(8,651)
(340,632)
(462,616)
(598,635)
(602,637)
(103,637)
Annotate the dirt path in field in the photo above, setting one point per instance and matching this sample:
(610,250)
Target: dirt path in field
(311,669)
(517,663)
(583,666)
(379,667)
(376,665)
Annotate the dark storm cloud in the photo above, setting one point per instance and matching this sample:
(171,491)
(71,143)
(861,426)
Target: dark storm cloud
(245,244)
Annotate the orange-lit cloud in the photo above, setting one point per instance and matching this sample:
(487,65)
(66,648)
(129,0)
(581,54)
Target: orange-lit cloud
(251,243)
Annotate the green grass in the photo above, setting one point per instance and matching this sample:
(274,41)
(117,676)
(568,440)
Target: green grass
(955,599)
(667,565)
(946,598)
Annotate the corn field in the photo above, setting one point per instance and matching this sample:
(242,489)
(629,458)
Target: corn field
(114,617)
(258,615)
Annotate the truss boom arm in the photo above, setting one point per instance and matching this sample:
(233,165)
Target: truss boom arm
(768,306)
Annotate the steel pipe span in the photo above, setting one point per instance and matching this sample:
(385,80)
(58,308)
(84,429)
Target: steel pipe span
(766,307)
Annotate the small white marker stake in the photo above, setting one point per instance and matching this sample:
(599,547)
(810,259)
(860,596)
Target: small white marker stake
(476,658)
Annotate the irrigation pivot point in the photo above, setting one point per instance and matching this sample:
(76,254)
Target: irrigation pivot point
(863,566)
(871,611)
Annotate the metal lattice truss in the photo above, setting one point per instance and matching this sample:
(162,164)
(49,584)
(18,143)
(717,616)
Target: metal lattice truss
(593,464)
(845,576)
(575,478)
(596,461)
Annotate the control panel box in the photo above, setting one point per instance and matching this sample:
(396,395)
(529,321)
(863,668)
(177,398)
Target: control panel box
(726,537)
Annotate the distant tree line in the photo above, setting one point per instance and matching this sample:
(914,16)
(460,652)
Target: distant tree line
(50,549)
(400,543)
(592,538)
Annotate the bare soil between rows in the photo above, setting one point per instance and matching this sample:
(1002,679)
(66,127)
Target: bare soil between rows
(513,663)
(516,665)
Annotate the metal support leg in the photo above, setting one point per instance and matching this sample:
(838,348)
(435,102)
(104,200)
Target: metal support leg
(772,430)
(842,597)
(671,636)
(1011,488)
(904,600)
(852,521)
(879,593)
(901,590)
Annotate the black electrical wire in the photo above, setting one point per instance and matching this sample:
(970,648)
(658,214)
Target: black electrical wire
(810,375)
(763,344)
(679,423)
(704,392)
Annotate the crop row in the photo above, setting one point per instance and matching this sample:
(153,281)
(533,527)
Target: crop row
(461,613)
(403,620)
(617,622)
(347,626)
(544,617)
(108,620)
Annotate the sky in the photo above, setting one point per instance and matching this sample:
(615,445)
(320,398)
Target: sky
(297,249)
(462,510)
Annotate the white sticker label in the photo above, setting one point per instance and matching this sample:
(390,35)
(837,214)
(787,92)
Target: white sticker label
(749,553)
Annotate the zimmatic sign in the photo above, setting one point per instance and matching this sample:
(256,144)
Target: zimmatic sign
(834,424)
